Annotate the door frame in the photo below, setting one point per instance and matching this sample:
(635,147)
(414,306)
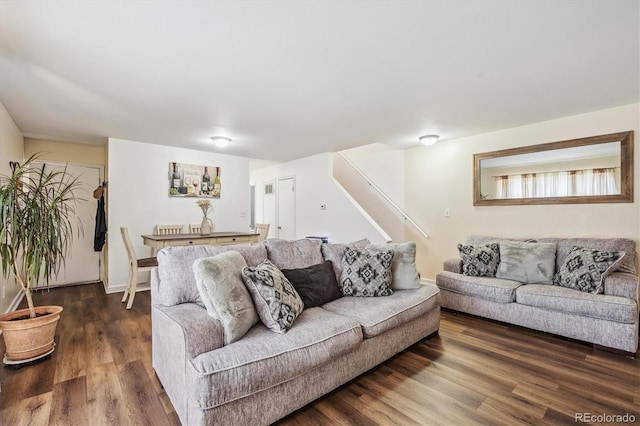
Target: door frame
(293,177)
(100,168)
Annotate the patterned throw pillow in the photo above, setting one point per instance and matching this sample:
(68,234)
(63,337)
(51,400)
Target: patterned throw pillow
(585,269)
(366,274)
(276,301)
(480,261)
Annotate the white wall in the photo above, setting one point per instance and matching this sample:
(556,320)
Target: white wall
(441,176)
(138,197)
(383,165)
(341,221)
(11,149)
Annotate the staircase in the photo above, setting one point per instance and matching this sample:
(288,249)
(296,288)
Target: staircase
(378,206)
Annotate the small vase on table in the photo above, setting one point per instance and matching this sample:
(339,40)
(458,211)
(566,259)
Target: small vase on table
(206,227)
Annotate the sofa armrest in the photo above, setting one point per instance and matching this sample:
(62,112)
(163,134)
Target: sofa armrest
(155,284)
(179,333)
(191,326)
(453,265)
(622,284)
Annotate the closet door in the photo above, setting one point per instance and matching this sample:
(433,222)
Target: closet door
(286,213)
(82,263)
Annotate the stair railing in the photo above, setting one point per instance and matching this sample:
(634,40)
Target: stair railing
(404,215)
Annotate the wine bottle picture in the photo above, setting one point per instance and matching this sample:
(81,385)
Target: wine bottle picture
(217,186)
(206,182)
(175,180)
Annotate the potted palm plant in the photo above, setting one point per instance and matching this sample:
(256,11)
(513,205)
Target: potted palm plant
(37,217)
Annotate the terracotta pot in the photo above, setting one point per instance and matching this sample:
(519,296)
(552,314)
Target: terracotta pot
(31,337)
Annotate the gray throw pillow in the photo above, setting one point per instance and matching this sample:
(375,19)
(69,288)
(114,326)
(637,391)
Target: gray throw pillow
(585,269)
(366,274)
(277,302)
(315,284)
(480,261)
(527,263)
(403,268)
(224,294)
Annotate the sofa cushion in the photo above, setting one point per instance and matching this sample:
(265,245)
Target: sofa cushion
(293,254)
(365,273)
(379,314)
(585,269)
(262,359)
(334,253)
(177,282)
(315,284)
(480,260)
(495,289)
(565,245)
(527,262)
(566,300)
(403,268)
(276,301)
(224,294)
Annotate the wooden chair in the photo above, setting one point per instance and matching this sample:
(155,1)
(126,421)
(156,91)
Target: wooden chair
(263,230)
(135,265)
(194,228)
(168,229)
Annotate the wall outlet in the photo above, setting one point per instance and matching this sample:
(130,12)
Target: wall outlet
(447,212)
(242,214)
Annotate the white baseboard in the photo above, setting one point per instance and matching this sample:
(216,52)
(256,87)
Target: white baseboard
(427,281)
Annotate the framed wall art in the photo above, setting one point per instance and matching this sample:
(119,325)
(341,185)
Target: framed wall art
(190,180)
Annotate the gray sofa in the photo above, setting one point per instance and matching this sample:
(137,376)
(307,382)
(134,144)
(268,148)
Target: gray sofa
(609,319)
(264,376)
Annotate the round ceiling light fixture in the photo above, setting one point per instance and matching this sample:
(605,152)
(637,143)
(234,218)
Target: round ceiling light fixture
(429,139)
(221,141)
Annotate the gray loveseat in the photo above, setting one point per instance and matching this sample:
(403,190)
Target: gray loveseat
(609,319)
(264,376)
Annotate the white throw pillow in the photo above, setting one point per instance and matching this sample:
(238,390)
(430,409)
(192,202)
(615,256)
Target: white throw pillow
(219,280)
(403,268)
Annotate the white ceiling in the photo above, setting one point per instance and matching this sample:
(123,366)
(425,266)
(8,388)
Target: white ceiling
(289,79)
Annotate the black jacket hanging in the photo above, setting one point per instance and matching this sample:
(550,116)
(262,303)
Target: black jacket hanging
(100,233)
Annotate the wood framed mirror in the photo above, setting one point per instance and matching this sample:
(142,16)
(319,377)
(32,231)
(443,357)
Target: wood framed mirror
(597,169)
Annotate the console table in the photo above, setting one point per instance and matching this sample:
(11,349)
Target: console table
(157,242)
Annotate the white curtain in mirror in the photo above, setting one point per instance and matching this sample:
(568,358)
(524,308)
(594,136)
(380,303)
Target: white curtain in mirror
(557,184)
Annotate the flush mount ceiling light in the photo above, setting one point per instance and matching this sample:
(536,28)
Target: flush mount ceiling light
(221,141)
(429,139)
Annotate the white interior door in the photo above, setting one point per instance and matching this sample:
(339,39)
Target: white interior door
(82,263)
(286,213)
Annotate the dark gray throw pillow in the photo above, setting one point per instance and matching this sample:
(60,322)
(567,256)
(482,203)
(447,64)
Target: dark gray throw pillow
(315,284)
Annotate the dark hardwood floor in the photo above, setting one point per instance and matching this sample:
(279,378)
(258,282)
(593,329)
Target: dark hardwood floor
(475,372)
